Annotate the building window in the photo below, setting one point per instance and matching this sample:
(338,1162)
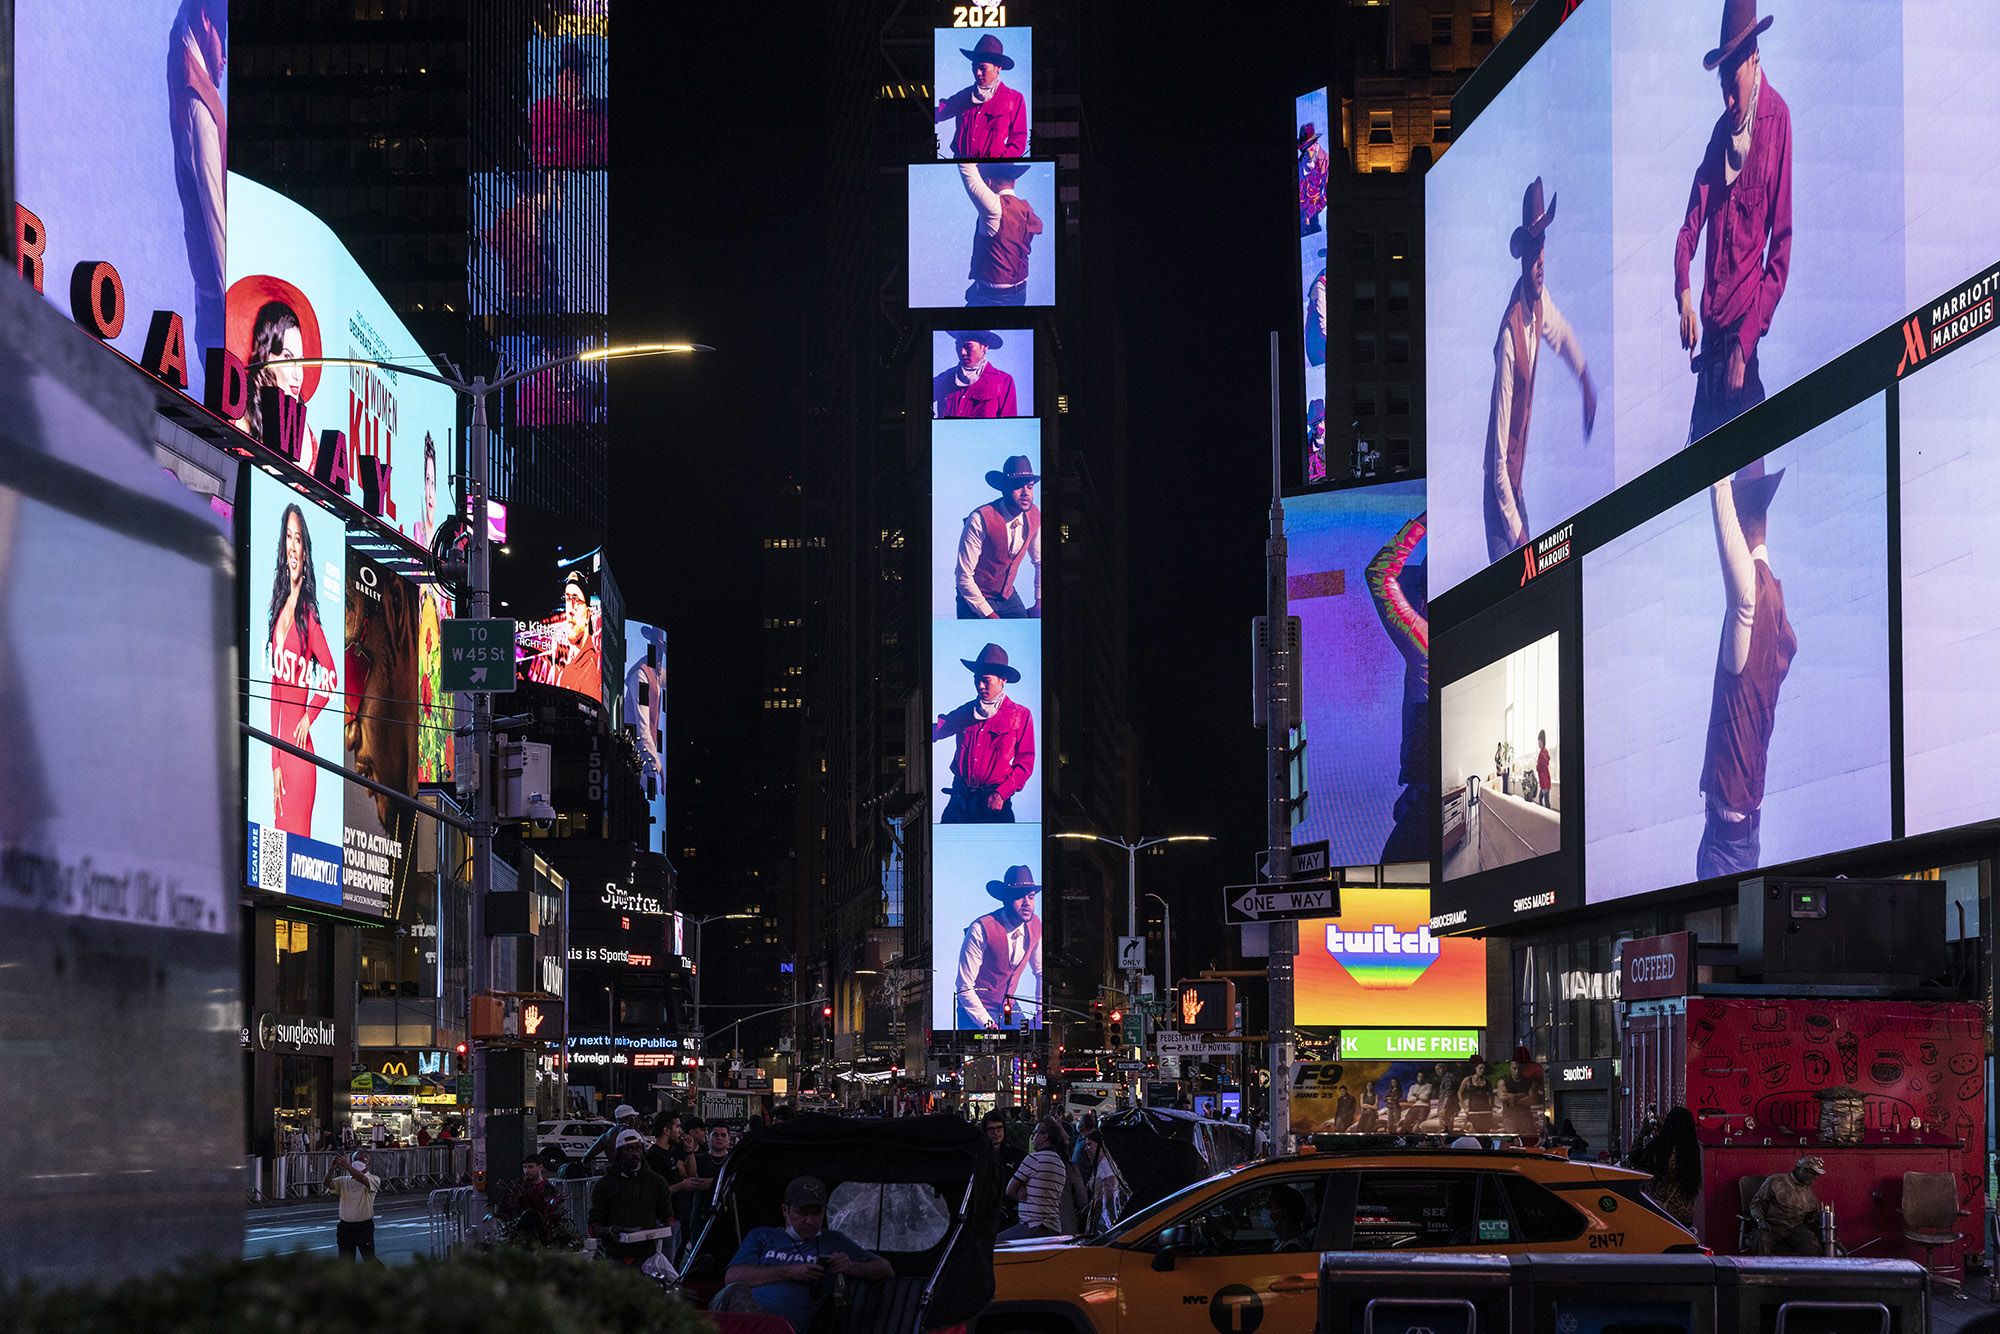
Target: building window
(1441,125)
(1364,298)
(1399,247)
(1399,400)
(1440,30)
(1381,129)
(1399,349)
(1482,29)
(1399,294)
(1363,246)
(1364,349)
(1397,455)
(1364,401)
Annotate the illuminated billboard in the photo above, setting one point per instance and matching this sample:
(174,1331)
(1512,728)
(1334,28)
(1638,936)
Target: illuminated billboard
(542,232)
(646,715)
(109,169)
(986,932)
(385,691)
(1378,965)
(566,647)
(1736,671)
(977,373)
(986,683)
(1355,571)
(986,559)
(1505,804)
(986,91)
(296,292)
(1629,273)
(569,105)
(1317,139)
(983,234)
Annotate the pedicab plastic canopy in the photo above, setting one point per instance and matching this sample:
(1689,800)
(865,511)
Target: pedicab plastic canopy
(943,1152)
(1157,1151)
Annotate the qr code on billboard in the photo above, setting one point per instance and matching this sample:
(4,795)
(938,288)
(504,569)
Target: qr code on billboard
(271,860)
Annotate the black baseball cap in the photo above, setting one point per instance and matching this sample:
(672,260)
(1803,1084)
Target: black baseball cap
(805,1193)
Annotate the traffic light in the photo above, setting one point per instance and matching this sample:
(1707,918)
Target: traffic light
(1207,1005)
(1006,1012)
(826,1013)
(461,1051)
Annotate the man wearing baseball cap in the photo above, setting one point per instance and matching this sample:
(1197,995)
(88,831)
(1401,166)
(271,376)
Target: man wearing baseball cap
(625,1118)
(631,1197)
(1786,1210)
(787,1271)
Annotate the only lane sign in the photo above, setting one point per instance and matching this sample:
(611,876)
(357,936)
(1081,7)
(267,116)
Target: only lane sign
(1244,905)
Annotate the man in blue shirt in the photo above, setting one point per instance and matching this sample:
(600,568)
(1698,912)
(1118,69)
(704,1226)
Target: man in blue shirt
(787,1271)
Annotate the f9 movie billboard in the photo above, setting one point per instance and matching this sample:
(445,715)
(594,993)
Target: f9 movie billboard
(986,92)
(1377,965)
(1355,572)
(296,292)
(1503,805)
(1736,670)
(1317,139)
(1769,186)
(982,373)
(983,234)
(112,170)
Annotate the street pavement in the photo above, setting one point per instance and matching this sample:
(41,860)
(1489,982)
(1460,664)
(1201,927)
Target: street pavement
(402,1227)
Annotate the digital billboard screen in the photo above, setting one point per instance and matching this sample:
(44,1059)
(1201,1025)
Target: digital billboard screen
(543,231)
(569,105)
(384,684)
(646,715)
(1355,571)
(986,91)
(980,373)
(566,647)
(986,934)
(1377,965)
(296,292)
(986,552)
(1317,139)
(1505,804)
(986,683)
(114,171)
(1736,669)
(983,234)
(1748,206)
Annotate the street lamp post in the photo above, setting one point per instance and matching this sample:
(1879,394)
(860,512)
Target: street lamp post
(1167,963)
(1133,847)
(700,1060)
(479,391)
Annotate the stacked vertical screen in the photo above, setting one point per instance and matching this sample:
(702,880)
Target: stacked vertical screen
(1355,573)
(1316,143)
(646,715)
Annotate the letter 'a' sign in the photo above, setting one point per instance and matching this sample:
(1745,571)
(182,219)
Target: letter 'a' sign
(478,655)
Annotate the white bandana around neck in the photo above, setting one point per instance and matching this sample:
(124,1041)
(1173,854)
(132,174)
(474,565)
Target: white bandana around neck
(968,374)
(981,94)
(1737,151)
(983,709)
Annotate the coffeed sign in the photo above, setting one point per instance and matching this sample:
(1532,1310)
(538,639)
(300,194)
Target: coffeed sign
(1656,967)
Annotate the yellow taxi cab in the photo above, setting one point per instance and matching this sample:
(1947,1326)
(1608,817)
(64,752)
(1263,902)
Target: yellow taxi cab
(1240,1250)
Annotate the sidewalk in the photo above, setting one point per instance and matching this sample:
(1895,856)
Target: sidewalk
(1949,1314)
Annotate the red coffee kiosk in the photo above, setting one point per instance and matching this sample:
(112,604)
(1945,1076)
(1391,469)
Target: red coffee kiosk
(1833,1028)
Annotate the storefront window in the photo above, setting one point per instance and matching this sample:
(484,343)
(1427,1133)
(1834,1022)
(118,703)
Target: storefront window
(1566,994)
(302,965)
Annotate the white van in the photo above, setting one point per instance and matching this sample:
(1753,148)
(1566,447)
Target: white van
(1090,1096)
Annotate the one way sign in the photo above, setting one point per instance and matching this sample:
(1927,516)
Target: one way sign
(1243,905)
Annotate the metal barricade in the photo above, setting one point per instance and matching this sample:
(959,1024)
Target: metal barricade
(253,1179)
(456,1214)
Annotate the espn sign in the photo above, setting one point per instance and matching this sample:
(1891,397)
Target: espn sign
(1653,967)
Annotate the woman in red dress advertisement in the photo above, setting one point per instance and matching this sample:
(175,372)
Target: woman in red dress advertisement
(302,674)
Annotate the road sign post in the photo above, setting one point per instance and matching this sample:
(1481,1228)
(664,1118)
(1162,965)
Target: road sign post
(1243,905)
(478,655)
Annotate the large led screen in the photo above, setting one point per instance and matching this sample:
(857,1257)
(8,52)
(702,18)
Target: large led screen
(1505,803)
(986,91)
(986,693)
(1736,670)
(646,714)
(1356,574)
(983,234)
(569,105)
(1317,139)
(544,231)
(385,690)
(119,165)
(979,373)
(1750,205)
(986,553)
(986,927)
(1377,965)
(296,292)
(296,568)
(1950,428)
(566,647)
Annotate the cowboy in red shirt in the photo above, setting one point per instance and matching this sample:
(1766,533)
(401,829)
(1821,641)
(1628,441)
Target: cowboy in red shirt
(996,744)
(572,128)
(1742,203)
(975,387)
(990,120)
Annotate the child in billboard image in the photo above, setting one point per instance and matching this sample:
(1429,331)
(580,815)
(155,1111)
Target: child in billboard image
(1741,201)
(272,327)
(997,539)
(1531,319)
(1758,646)
(303,676)
(198,51)
(995,752)
(1004,237)
(989,119)
(975,387)
(1398,589)
(1001,957)
(1313,172)
(570,128)
(1543,767)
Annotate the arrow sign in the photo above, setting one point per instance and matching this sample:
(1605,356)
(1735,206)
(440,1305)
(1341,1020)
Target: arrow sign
(1243,905)
(1308,859)
(479,676)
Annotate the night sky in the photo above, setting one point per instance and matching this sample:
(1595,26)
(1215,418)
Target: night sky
(714,237)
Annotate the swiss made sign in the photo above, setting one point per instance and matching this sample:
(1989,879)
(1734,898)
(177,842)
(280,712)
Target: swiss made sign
(478,655)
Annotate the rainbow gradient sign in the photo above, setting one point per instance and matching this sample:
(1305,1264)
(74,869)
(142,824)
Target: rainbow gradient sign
(1379,965)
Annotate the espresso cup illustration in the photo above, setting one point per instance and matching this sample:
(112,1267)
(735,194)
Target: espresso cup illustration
(1818,1026)
(1770,1019)
(1927,1053)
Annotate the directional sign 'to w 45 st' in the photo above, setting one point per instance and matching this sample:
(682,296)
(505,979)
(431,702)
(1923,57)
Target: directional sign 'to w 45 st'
(478,655)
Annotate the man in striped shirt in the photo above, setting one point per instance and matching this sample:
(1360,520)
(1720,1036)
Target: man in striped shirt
(1039,1183)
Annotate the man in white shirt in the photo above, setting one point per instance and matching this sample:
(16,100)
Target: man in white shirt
(350,1179)
(997,539)
(1001,958)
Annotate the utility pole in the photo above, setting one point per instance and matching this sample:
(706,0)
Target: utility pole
(479,581)
(1284,936)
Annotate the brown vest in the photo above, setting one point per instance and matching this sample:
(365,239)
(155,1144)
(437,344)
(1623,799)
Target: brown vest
(1744,709)
(1001,259)
(996,977)
(996,570)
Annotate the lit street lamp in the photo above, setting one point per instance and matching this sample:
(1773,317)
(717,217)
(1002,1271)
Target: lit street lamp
(1133,847)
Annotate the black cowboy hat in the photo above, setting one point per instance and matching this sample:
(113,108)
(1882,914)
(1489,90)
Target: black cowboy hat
(988,51)
(1016,471)
(1019,880)
(1005,171)
(992,661)
(1308,135)
(1753,490)
(985,337)
(1535,219)
(1740,26)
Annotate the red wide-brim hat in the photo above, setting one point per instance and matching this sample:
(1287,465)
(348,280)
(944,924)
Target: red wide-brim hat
(249,295)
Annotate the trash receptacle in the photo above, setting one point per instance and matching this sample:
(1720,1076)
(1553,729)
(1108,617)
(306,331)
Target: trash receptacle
(1816,1296)
(1617,1294)
(1378,1292)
